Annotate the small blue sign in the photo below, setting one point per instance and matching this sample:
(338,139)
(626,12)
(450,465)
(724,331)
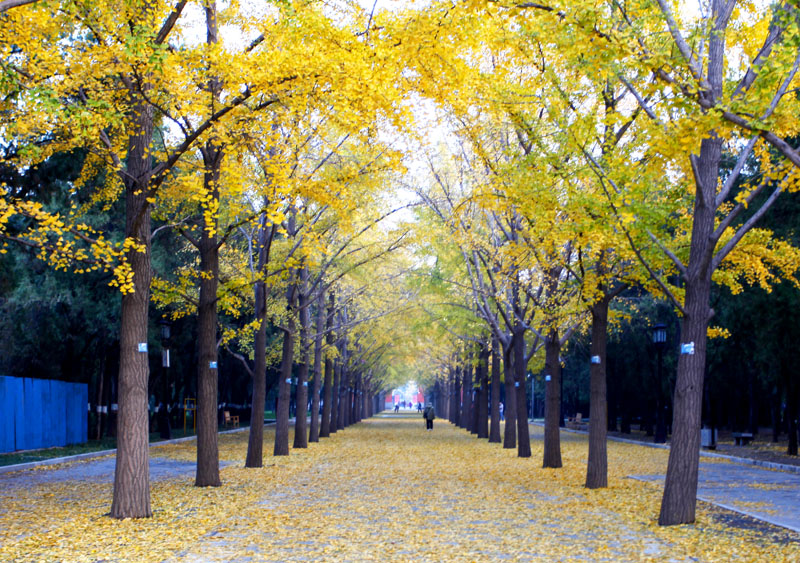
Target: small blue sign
(143,346)
(687,348)
(212,365)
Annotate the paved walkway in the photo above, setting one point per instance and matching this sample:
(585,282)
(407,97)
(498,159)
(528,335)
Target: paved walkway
(771,496)
(388,490)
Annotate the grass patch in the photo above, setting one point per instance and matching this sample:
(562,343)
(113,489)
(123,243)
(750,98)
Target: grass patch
(107,443)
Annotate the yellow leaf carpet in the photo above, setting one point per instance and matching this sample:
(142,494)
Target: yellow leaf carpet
(382,490)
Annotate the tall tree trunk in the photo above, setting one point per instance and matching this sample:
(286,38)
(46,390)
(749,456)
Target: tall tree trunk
(285,382)
(680,487)
(313,432)
(597,468)
(466,405)
(510,406)
(455,403)
(483,397)
(327,407)
(300,421)
(520,369)
(344,395)
(255,439)
(494,427)
(131,497)
(207,410)
(552,406)
(207,415)
(335,396)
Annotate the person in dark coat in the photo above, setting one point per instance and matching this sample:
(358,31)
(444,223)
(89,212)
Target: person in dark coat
(429,414)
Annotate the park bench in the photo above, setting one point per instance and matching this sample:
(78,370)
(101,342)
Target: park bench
(229,420)
(576,422)
(742,438)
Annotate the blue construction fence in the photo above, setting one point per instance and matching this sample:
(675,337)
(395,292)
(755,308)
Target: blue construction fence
(41,413)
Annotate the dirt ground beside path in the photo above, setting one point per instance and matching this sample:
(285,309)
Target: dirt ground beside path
(384,490)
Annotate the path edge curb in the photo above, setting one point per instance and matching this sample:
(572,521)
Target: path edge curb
(703,453)
(101,453)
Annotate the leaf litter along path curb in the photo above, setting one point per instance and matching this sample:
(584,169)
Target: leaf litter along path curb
(742,485)
(383,489)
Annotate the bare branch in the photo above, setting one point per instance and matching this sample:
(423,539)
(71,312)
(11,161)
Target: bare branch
(749,224)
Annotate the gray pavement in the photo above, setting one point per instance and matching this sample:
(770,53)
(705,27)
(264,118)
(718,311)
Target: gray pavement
(94,470)
(770,496)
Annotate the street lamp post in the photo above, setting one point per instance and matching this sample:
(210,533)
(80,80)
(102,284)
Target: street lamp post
(163,411)
(659,332)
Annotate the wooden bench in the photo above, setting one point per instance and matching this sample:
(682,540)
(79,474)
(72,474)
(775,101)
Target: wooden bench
(229,420)
(742,438)
(576,422)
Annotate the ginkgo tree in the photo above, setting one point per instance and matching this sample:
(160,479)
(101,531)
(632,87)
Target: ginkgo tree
(701,98)
(78,75)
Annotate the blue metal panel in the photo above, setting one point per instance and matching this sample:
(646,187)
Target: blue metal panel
(48,398)
(33,414)
(72,414)
(18,392)
(40,413)
(7,400)
(42,389)
(31,430)
(83,434)
(59,391)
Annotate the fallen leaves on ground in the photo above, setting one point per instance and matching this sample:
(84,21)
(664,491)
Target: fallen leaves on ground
(382,490)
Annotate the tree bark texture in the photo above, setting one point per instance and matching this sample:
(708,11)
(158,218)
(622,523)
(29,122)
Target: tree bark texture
(597,468)
(494,426)
(520,388)
(207,415)
(483,397)
(301,421)
(680,487)
(344,396)
(466,404)
(335,395)
(207,372)
(327,399)
(455,409)
(255,439)
(552,405)
(313,431)
(285,383)
(510,406)
(131,498)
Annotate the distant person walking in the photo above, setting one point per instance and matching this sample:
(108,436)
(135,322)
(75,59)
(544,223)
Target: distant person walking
(429,414)
(396,407)
(501,412)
